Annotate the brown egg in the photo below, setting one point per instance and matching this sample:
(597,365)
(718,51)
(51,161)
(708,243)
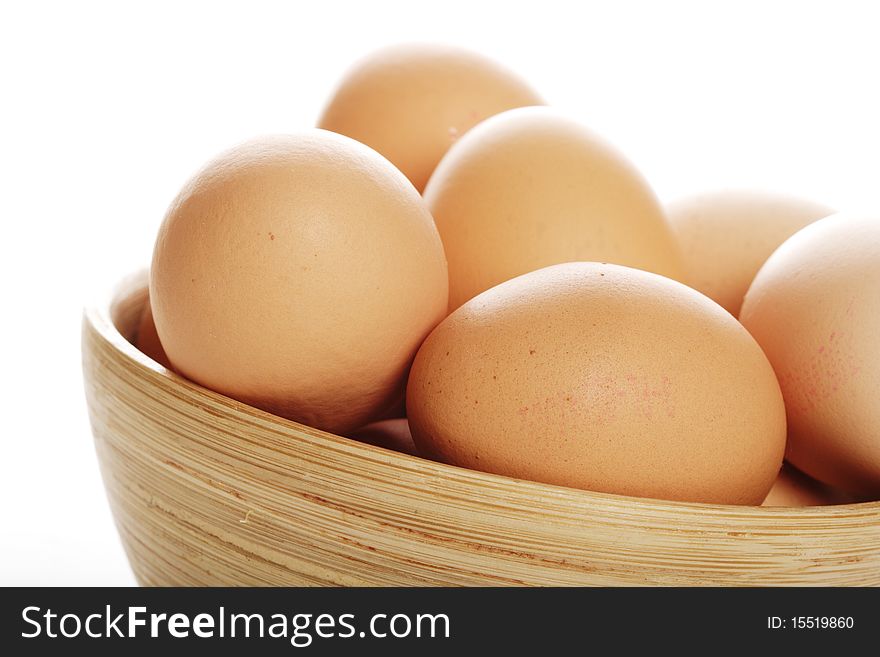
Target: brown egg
(147,338)
(726,236)
(299,274)
(794,488)
(815,309)
(412,102)
(390,434)
(531,188)
(605,378)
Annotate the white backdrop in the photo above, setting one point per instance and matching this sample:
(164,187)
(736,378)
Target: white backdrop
(107,108)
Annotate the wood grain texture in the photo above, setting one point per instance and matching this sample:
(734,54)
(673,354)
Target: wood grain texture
(208,491)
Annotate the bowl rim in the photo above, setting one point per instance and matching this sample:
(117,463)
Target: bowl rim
(99,317)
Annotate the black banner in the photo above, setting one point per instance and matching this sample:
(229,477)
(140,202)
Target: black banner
(433,621)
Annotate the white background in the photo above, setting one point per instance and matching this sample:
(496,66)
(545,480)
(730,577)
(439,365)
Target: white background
(106,109)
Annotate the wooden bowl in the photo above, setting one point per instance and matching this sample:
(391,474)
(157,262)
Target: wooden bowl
(207,490)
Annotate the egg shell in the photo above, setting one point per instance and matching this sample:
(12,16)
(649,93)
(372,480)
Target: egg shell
(726,236)
(795,489)
(530,188)
(148,339)
(815,309)
(605,378)
(299,273)
(391,434)
(411,102)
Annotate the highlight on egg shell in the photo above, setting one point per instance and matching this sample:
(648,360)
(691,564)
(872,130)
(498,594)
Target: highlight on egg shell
(605,378)
(530,188)
(299,273)
(412,102)
(725,237)
(814,307)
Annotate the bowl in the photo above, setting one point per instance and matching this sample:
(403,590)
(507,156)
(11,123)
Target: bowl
(206,490)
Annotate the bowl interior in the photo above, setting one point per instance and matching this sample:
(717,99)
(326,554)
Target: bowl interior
(127,305)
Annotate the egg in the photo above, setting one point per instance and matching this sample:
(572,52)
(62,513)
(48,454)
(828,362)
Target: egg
(148,339)
(411,102)
(794,488)
(727,235)
(530,188)
(605,378)
(815,309)
(390,434)
(299,274)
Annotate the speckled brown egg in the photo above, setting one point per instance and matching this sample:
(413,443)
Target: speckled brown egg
(815,309)
(411,102)
(726,236)
(299,274)
(530,188)
(601,377)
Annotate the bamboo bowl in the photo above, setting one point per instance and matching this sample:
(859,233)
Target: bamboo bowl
(209,491)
